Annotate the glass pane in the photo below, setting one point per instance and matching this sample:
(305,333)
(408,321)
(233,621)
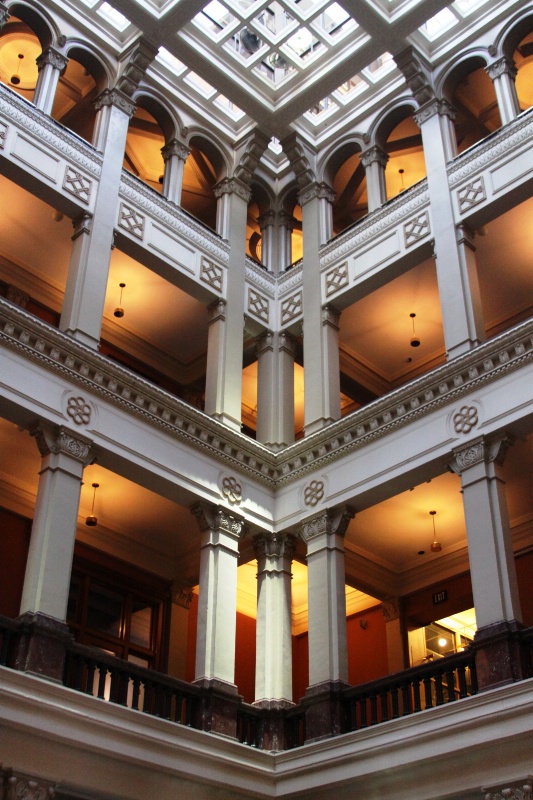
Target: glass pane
(104,610)
(141,623)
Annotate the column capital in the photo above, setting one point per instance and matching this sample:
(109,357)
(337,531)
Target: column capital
(483,450)
(53,57)
(265,342)
(182,596)
(330,316)
(82,224)
(114,97)
(374,155)
(465,235)
(390,608)
(287,343)
(524,792)
(320,191)
(268,219)
(502,66)
(217,310)
(60,440)
(232,186)
(4,15)
(217,518)
(332,521)
(23,786)
(433,107)
(175,148)
(274,545)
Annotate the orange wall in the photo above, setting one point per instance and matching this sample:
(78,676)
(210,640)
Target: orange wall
(14,541)
(524,572)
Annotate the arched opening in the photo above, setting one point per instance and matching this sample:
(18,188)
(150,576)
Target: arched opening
(346,176)
(473,97)
(142,155)
(203,169)
(77,89)
(19,49)
(523,58)
(400,137)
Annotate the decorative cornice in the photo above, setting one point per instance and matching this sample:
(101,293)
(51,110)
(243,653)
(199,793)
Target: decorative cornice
(217,518)
(80,365)
(260,277)
(27,117)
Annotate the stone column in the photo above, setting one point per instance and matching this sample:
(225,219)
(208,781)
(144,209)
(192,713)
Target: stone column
(83,306)
(175,155)
(502,73)
(275,389)
(285,228)
(328,655)
(51,63)
(273,673)
(374,160)
(269,244)
(390,608)
(460,299)
(217,601)
(223,393)
(4,15)
(43,609)
(492,566)
(321,362)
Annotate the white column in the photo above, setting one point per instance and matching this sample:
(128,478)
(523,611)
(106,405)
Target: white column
(51,64)
(390,608)
(321,364)
(285,229)
(217,601)
(275,389)
(223,393)
(47,579)
(324,536)
(492,567)
(273,671)
(83,306)
(374,160)
(502,73)
(456,271)
(174,155)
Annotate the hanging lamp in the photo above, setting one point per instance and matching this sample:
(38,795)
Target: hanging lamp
(119,311)
(91,520)
(436,546)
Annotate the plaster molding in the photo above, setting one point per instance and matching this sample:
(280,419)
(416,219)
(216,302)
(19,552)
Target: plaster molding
(53,57)
(217,518)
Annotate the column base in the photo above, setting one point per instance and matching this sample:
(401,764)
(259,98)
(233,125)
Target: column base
(325,713)
(501,657)
(317,425)
(42,645)
(84,338)
(218,707)
(272,727)
(227,420)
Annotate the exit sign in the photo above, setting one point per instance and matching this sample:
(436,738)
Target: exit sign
(440,597)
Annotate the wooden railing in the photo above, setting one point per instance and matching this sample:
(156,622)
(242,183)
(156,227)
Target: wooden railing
(430,685)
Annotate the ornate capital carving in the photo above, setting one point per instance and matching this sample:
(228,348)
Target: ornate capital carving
(52,439)
(276,545)
(481,451)
(268,219)
(287,343)
(524,792)
(317,191)
(390,608)
(53,57)
(182,596)
(265,342)
(217,518)
(330,316)
(232,186)
(82,224)
(20,787)
(431,108)
(217,310)
(374,155)
(175,148)
(332,522)
(502,66)
(113,97)
(17,296)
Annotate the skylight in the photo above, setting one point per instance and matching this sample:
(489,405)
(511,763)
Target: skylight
(439,24)
(117,20)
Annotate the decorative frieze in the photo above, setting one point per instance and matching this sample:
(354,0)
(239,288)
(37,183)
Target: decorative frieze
(337,278)
(211,274)
(291,308)
(131,220)
(258,305)
(416,228)
(77,184)
(471,194)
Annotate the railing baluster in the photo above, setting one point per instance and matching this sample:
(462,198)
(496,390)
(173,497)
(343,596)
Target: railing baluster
(394,698)
(383,696)
(406,698)
(373,709)
(427,691)
(438,688)
(91,670)
(135,694)
(102,682)
(417,706)
(450,680)
(362,707)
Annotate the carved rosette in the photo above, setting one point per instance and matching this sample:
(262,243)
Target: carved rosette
(60,440)
(465,418)
(331,522)
(231,489)
(216,518)
(79,410)
(481,451)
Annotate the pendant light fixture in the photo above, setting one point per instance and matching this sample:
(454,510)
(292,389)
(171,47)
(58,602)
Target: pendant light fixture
(415,341)
(436,546)
(91,520)
(15,79)
(119,311)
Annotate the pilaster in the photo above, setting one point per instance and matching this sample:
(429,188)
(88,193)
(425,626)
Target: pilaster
(374,161)
(275,389)
(51,64)
(175,155)
(502,73)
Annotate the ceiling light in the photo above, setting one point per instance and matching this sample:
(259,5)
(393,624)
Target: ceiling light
(415,341)
(119,311)
(436,547)
(15,79)
(91,520)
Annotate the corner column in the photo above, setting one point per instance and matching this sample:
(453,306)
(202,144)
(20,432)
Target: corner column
(328,655)
(175,155)
(492,566)
(83,306)
(374,160)
(43,607)
(51,63)
(275,389)
(502,73)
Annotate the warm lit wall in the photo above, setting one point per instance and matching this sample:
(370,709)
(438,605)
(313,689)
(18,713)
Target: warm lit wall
(524,572)
(419,609)
(14,541)
(367,646)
